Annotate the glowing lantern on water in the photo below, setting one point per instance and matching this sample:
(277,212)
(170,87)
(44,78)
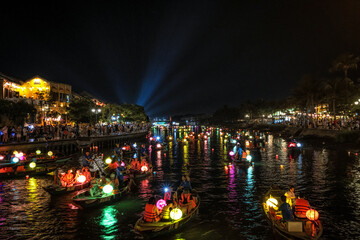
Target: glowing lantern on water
(144,168)
(32,165)
(38,152)
(15,160)
(50,153)
(272,202)
(81,179)
(161,204)
(312,214)
(158,145)
(108,160)
(108,189)
(248,157)
(176,214)
(231,153)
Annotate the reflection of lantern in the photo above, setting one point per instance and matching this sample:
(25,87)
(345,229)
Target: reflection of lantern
(81,179)
(32,165)
(272,202)
(176,214)
(312,214)
(144,168)
(161,204)
(50,153)
(108,189)
(38,152)
(108,160)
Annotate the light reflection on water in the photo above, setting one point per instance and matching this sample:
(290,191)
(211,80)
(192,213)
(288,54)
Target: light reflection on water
(231,196)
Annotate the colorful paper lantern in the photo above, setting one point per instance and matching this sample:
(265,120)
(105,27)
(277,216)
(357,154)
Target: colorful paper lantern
(312,214)
(50,153)
(15,160)
(144,168)
(108,189)
(176,214)
(272,202)
(81,179)
(32,165)
(38,152)
(108,160)
(161,204)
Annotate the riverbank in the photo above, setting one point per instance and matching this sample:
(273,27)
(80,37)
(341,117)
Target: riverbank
(347,138)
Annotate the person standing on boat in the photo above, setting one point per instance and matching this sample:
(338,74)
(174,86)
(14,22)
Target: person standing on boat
(290,195)
(152,213)
(285,209)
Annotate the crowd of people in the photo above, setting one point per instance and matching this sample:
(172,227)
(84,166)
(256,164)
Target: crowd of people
(31,133)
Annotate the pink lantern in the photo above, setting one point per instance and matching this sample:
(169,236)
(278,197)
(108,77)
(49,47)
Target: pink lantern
(231,153)
(122,164)
(161,204)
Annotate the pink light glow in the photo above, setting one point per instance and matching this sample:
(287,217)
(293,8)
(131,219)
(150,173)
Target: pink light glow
(161,204)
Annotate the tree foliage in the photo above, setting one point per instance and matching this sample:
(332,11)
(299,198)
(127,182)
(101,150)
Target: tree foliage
(80,110)
(15,113)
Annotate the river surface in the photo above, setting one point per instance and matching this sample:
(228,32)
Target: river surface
(230,197)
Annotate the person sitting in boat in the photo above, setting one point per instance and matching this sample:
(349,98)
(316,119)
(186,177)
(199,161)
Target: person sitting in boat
(117,150)
(290,195)
(285,209)
(152,213)
(165,213)
(87,159)
(185,182)
(69,178)
(85,171)
(143,151)
(186,201)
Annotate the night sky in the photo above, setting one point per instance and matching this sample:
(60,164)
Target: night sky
(176,57)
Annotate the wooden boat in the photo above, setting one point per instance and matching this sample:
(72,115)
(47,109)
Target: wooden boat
(22,169)
(84,199)
(155,228)
(299,228)
(57,190)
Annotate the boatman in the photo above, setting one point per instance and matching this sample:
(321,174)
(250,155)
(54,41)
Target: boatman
(285,209)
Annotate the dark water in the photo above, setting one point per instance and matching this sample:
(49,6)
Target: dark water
(230,199)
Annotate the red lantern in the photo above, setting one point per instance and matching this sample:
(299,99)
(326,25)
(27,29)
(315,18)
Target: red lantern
(312,214)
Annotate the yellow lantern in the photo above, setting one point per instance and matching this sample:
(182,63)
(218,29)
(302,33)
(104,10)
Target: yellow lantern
(50,153)
(272,202)
(38,152)
(32,165)
(108,160)
(176,214)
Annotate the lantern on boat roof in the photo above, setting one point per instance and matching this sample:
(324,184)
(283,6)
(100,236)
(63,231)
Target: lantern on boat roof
(50,153)
(312,214)
(108,189)
(108,160)
(272,202)
(32,165)
(144,168)
(81,179)
(160,204)
(38,152)
(176,214)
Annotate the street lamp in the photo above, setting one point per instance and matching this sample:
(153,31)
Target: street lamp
(96,111)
